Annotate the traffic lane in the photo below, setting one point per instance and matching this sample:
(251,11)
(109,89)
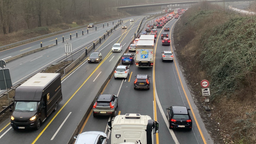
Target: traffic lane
(170,92)
(51,40)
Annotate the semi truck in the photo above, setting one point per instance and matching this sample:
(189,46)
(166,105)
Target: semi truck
(35,100)
(132,128)
(144,56)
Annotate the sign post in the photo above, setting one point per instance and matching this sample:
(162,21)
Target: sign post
(5,78)
(68,49)
(205,90)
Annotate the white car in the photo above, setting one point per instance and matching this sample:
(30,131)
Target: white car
(167,56)
(124,27)
(91,137)
(117,47)
(131,20)
(121,71)
(132,47)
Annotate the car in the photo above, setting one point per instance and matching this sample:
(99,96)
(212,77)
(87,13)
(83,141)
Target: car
(91,137)
(178,117)
(148,29)
(90,25)
(160,25)
(127,58)
(132,48)
(105,105)
(151,26)
(176,16)
(154,31)
(167,56)
(95,57)
(166,41)
(164,35)
(121,71)
(166,29)
(131,20)
(142,81)
(142,33)
(117,47)
(124,27)
(136,40)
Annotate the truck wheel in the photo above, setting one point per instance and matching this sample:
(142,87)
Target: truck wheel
(38,124)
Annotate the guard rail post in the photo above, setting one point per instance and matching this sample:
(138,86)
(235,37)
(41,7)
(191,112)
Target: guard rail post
(112,23)
(134,35)
(76,34)
(107,24)
(83,32)
(56,41)
(95,28)
(104,36)
(99,40)
(86,51)
(87,31)
(93,45)
(41,45)
(70,36)
(63,39)
(103,25)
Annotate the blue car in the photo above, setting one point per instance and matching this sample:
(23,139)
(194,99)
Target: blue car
(127,58)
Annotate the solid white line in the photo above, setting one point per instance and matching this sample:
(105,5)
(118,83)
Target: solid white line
(165,119)
(73,71)
(111,58)
(61,126)
(96,77)
(5,132)
(36,58)
(120,88)
(7,57)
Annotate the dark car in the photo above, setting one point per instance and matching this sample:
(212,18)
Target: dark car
(154,31)
(95,57)
(151,26)
(164,35)
(148,29)
(166,41)
(105,105)
(142,82)
(159,25)
(178,117)
(127,58)
(166,29)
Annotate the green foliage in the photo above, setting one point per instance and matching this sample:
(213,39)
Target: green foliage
(38,30)
(229,54)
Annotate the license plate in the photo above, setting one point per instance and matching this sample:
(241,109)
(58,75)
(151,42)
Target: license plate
(141,83)
(103,112)
(21,127)
(181,126)
(127,60)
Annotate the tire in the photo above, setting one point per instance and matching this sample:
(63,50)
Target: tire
(14,128)
(38,124)
(94,115)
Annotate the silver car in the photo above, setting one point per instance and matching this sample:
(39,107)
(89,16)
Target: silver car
(105,105)
(91,137)
(132,47)
(167,56)
(121,71)
(117,47)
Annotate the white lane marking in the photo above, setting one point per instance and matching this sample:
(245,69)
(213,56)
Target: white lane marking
(5,132)
(7,57)
(96,77)
(111,58)
(132,36)
(61,126)
(165,119)
(35,58)
(120,88)
(124,44)
(106,129)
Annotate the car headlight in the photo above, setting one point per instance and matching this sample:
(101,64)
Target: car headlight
(89,59)
(12,118)
(33,118)
(97,59)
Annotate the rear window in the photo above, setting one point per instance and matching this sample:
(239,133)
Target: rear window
(120,69)
(168,54)
(102,103)
(181,117)
(127,56)
(141,80)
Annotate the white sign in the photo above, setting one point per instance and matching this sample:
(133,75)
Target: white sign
(68,48)
(205,91)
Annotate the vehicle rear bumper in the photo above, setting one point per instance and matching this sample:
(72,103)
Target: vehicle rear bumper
(176,126)
(103,113)
(141,87)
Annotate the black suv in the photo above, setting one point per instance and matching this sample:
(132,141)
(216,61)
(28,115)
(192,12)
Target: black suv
(178,117)
(142,82)
(127,58)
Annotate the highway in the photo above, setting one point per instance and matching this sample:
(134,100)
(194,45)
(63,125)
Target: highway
(79,90)
(169,92)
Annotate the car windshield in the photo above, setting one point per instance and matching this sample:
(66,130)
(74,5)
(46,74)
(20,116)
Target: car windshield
(180,116)
(94,55)
(132,46)
(120,69)
(26,106)
(116,45)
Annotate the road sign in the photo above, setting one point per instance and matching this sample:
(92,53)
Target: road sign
(5,79)
(68,48)
(205,83)
(2,63)
(205,91)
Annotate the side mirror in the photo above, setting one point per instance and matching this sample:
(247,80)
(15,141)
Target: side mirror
(116,96)
(167,108)
(156,126)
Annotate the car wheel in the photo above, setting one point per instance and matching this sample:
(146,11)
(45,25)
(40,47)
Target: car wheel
(15,128)
(38,124)
(94,115)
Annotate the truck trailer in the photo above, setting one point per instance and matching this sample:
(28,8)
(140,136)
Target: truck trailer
(144,56)
(35,100)
(133,128)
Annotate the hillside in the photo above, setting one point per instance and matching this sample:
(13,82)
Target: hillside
(219,45)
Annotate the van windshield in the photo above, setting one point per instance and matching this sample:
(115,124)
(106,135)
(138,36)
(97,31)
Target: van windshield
(26,106)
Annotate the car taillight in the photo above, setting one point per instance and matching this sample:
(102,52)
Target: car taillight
(125,71)
(169,41)
(173,120)
(147,81)
(162,40)
(135,81)
(111,106)
(172,56)
(130,57)
(166,35)
(151,64)
(122,57)
(189,120)
(161,35)
(129,47)
(115,71)
(163,55)
(94,106)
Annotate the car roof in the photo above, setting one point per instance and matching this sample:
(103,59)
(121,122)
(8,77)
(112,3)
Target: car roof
(141,76)
(89,137)
(104,97)
(179,110)
(166,38)
(121,66)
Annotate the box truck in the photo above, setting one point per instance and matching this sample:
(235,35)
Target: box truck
(35,100)
(144,56)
